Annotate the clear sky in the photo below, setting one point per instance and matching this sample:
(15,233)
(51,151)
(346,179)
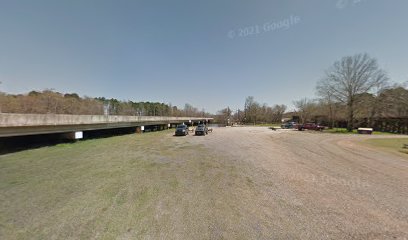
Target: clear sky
(209,53)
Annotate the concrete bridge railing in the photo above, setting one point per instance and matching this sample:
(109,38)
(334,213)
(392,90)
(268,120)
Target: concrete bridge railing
(17,120)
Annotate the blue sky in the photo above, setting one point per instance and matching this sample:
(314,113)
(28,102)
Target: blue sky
(192,51)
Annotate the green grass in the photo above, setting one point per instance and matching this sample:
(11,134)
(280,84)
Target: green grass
(49,192)
(128,187)
(344,131)
(391,144)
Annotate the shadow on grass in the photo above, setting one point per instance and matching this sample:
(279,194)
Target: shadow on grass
(22,143)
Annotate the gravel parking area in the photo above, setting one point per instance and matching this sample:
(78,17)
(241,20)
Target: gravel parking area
(311,185)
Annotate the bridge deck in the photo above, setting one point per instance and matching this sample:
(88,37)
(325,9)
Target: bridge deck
(31,124)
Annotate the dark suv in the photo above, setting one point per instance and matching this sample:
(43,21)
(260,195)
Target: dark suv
(201,130)
(181,130)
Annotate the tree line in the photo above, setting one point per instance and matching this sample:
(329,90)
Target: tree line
(52,102)
(367,110)
(253,113)
(353,92)
(356,92)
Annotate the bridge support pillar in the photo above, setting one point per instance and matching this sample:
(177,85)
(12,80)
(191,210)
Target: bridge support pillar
(138,129)
(73,135)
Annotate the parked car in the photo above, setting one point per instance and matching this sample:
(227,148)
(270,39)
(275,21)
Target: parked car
(310,126)
(289,125)
(181,130)
(201,130)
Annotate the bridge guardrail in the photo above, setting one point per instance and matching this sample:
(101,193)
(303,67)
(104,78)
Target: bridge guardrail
(16,120)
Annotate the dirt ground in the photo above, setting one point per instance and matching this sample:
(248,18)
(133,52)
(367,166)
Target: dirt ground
(234,183)
(310,185)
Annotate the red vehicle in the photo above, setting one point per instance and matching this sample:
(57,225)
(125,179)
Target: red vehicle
(310,126)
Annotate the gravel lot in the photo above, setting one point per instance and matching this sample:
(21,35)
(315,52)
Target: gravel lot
(234,183)
(309,185)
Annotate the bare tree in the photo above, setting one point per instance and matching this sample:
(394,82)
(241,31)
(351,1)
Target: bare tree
(327,99)
(393,102)
(278,111)
(251,110)
(224,116)
(305,108)
(349,77)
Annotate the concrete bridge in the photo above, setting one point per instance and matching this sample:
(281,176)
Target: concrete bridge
(34,124)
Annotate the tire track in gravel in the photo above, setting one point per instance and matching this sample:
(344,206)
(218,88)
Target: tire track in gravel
(309,175)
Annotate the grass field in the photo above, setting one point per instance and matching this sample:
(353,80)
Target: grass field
(391,144)
(344,131)
(113,188)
